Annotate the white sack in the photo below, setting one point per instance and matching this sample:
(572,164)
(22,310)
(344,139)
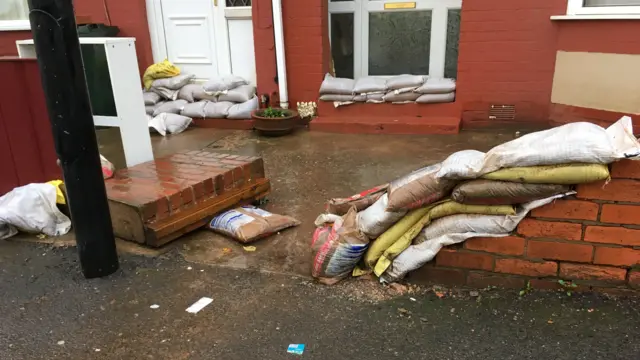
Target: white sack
(332,85)
(149,109)
(375,219)
(454,229)
(32,208)
(217,110)
(370,85)
(579,142)
(375,98)
(171,123)
(401,98)
(150,98)
(437,86)
(220,84)
(195,110)
(360,98)
(242,93)
(188,91)
(405,81)
(436,98)
(460,164)
(336,97)
(243,110)
(166,93)
(173,83)
(173,107)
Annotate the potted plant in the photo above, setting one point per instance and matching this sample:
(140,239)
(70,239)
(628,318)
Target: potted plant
(275,121)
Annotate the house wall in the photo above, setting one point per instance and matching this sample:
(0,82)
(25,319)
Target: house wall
(130,16)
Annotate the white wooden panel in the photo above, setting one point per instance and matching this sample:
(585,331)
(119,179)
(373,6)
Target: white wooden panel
(243,58)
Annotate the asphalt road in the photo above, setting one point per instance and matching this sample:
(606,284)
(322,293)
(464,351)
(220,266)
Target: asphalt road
(50,312)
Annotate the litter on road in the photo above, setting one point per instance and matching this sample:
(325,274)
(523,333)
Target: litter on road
(199,305)
(155,306)
(297,349)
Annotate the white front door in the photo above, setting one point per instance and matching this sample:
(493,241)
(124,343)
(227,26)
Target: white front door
(190,36)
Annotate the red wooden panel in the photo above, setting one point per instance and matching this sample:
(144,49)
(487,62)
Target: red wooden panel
(8,176)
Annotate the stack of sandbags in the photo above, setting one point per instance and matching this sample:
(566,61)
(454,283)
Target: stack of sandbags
(399,89)
(472,194)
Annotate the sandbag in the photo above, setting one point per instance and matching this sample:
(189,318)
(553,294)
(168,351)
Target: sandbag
(578,142)
(173,83)
(337,249)
(195,110)
(405,81)
(459,165)
(150,98)
(456,229)
(32,208)
(248,223)
(240,94)
(375,219)
(400,245)
(370,85)
(220,84)
(168,122)
(187,92)
(243,110)
(552,174)
(149,109)
(361,201)
(160,70)
(389,237)
(217,110)
(417,189)
(448,208)
(166,93)
(436,98)
(360,98)
(401,98)
(201,94)
(336,97)
(338,86)
(437,86)
(375,98)
(490,192)
(173,107)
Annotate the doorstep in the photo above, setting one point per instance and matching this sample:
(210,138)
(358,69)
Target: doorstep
(229,124)
(160,200)
(368,118)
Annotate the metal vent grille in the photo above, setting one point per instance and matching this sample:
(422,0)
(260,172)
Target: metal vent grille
(502,112)
(232,3)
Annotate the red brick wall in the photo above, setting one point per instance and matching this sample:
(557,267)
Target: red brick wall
(129,16)
(592,239)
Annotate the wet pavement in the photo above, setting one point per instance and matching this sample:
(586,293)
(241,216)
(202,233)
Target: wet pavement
(305,169)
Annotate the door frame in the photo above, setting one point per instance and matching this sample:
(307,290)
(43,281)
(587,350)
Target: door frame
(362,8)
(221,14)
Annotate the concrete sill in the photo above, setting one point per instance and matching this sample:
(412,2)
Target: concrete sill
(596,17)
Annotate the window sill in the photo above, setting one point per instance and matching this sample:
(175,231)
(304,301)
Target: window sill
(596,17)
(15,25)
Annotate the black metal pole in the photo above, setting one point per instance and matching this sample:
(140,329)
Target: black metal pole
(53,26)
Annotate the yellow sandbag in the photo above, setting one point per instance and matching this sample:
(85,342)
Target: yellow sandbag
(400,245)
(377,248)
(160,70)
(59,195)
(453,208)
(564,174)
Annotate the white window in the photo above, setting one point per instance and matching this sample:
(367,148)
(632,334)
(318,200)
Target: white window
(603,7)
(391,37)
(14,15)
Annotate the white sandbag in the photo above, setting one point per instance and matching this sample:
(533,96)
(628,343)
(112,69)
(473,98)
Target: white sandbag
(336,97)
(405,81)
(375,98)
(220,84)
(149,109)
(166,93)
(332,85)
(401,98)
(173,107)
(243,110)
(242,93)
(150,98)
(32,208)
(437,86)
(370,85)
(217,110)
(171,123)
(195,110)
(455,229)
(173,83)
(436,98)
(188,91)
(324,219)
(360,98)
(375,219)
(579,142)
(460,164)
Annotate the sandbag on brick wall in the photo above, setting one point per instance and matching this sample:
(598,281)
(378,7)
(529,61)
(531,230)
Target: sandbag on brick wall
(187,92)
(370,85)
(568,174)
(243,110)
(376,219)
(332,85)
(436,98)
(336,97)
(490,192)
(173,83)
(417,189)
(173,107)
(361,201)
(150,98)
(437,86)
(195,110)
(401,98)
(405,81)
(220,84)
(240,94)
(217,110)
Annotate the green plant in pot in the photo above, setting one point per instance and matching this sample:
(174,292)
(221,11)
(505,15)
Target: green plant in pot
(275,121)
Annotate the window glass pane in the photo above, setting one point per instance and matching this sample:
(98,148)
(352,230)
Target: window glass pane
(611,2)
(453,37)
(14,10)
(399,42)
(232,3)
(342,44)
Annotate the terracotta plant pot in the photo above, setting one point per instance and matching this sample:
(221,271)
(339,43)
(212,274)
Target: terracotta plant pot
(275,126)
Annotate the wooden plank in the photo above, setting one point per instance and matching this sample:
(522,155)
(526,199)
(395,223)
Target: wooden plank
(9,178)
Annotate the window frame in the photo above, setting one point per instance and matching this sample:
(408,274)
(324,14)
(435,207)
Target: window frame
(15,25)
(576,7)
